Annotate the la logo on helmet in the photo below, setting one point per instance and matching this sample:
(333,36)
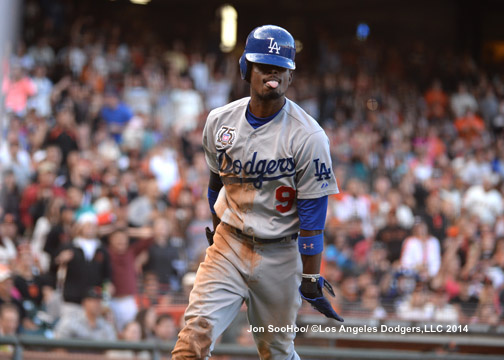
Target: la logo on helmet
(273,46)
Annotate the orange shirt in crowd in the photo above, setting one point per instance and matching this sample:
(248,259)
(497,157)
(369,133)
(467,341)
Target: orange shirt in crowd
(437,102)
(469,126)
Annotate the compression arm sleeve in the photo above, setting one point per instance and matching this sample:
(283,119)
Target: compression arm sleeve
(312,213)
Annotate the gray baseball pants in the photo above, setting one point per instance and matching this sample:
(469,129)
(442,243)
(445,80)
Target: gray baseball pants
(264,276)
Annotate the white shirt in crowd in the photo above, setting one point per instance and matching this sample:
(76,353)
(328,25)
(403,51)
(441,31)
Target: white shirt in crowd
(349,207)
(461,102)
(417,254)
(487,205)
(187,107)
(41,102)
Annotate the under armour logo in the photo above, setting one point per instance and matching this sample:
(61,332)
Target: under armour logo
(273,46)
(307,246)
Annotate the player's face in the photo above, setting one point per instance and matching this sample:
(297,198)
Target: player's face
(269,82)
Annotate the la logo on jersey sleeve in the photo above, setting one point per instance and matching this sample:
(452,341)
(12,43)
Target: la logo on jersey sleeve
(225,136)
(322,172)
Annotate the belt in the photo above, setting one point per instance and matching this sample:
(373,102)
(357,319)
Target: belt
(256,239)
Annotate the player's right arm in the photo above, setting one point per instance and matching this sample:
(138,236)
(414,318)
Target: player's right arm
(215,183)
(214,186)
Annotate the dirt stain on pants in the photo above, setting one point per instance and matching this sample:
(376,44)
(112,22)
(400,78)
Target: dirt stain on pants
(194,340)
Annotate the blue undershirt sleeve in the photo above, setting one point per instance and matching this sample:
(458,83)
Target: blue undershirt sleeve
(312,213)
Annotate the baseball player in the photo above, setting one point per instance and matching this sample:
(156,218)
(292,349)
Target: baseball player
(270,175)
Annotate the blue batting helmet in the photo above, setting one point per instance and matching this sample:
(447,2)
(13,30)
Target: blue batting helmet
(268,44)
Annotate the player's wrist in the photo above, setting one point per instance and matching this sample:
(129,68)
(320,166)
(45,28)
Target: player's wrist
(310,277)
(310,288)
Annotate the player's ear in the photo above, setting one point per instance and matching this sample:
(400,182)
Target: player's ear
(291,76)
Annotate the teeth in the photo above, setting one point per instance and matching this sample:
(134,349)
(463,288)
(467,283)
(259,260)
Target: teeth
(272,84)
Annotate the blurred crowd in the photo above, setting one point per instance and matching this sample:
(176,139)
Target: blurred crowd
(103,193)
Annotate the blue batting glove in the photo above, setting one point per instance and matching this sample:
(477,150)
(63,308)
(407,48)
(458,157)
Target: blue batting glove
(320,303)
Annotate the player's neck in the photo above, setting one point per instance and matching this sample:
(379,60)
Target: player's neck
(264,108)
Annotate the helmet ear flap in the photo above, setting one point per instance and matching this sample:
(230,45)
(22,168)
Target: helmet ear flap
(245,68)
(249,70)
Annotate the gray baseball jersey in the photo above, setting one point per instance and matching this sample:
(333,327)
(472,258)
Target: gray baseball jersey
(265,170)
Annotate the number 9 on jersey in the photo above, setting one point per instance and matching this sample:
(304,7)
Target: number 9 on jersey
(286,196)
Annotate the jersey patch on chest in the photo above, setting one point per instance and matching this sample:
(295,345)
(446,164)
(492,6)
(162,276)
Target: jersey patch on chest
(226,136)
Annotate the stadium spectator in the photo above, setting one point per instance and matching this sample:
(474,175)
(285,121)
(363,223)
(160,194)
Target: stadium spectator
(466,301)
(16,159)
(62,134)
(9,194)
(340,252)
(463,101)
(136,95)
(41,101)
(187,106)
(165,329)
(88,324)
(437,101)
(421,252)
(146,207)
(8,248)
(392,237)
(116,114)
(147,319)
(42,53)
(195,234)
(355,204)
(434,217)
(483,201)
(163,255)
(41,231)
(60,232)
(19,90)
(28,283)
(8,293)
(9,325)
(470,127)
(85,263)
(370,303)
(124,278)
(163,164)
(417,306)
(199,72)
(487,311)
(37,195)
(443,310)
(151,291)
(489,106)
(21,58)
(131,332)
(218,89)
(9,320)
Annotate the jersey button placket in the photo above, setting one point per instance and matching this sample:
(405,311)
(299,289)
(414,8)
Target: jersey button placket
(251,146)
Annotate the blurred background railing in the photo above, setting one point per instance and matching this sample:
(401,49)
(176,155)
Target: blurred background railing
(36,348)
